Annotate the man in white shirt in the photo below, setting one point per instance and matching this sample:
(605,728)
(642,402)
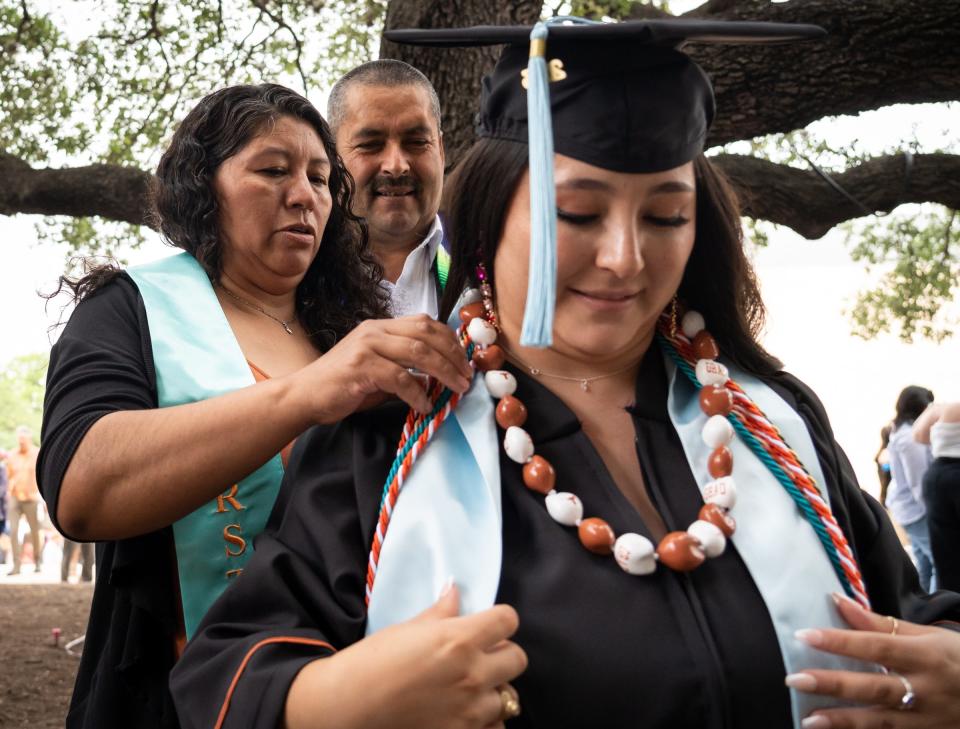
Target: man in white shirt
(385,116)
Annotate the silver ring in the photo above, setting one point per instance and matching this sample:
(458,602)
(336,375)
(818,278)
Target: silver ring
(909,698)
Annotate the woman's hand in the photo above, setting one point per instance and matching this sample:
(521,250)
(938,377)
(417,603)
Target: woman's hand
(436,671)
(927,657)
(375,360)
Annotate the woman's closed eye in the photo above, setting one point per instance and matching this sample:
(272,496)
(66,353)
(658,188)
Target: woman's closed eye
(675,221)
(576,218)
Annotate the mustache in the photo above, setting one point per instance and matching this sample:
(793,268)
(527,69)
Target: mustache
(384,182)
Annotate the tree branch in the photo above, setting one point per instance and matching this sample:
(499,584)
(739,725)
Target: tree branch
(109,191)
(799,199)
(24,21)
(804,201)
(279,21)
(876,53)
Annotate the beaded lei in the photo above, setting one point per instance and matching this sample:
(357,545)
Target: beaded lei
(728,408)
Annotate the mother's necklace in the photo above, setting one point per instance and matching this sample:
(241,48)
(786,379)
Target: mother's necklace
(285,324)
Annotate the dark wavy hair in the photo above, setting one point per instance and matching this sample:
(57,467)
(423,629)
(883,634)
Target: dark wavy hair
(911,403)
(718,279)
(342,285)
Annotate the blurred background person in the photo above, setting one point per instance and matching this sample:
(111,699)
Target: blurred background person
(909,461)
(939,426)
(882,459)
(24,497)
(70,548)
(3,508)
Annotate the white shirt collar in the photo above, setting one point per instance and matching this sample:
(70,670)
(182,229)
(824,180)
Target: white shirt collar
(415,290)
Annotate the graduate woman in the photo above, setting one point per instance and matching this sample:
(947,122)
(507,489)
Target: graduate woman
(157,442)
(646,523)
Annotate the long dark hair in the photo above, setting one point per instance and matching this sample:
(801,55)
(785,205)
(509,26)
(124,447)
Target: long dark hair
(911,403)
(341,286)
(718,279)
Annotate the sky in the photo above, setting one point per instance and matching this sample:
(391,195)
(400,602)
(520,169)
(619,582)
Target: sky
(807,285)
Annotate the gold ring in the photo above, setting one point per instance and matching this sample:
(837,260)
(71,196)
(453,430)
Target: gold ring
(893,628)
(509,704)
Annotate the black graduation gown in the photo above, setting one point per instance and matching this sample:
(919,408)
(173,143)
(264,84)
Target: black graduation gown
(666,651)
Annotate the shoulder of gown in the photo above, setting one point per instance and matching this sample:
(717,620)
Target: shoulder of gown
(889,574)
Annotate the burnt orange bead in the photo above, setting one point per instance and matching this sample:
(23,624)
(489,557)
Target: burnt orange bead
(719,518)
(538,475)
(716,400)
(681,552)
(705,346)
(491,358)
(720,462)
(471,311)
(511,411)
(596,535)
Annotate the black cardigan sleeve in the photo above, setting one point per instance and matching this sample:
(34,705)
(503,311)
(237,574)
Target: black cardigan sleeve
(101,363)
(300,596)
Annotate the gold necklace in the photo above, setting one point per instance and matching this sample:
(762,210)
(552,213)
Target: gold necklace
(285,324)
(584,381)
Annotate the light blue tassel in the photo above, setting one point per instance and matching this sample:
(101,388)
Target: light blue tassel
(542,281)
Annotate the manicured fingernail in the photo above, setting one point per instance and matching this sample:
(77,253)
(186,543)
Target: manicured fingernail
(801,682)
(810,636)
(447,586)
(841,599)
(815,721)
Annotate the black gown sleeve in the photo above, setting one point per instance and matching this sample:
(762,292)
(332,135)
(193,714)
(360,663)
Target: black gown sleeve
(102,363)
(890,577)
(300,596)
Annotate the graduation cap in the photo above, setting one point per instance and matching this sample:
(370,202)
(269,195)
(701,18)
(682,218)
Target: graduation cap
(621,96)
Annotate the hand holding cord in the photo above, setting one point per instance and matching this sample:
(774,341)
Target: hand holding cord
(102,498)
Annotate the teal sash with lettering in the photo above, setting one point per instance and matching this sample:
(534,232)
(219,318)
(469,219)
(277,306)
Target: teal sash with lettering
(197,357)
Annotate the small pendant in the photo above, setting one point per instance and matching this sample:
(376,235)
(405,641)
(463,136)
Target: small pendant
(534,371)
(585,385)
(287,328)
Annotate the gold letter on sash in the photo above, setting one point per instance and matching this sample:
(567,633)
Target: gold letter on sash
(231,497)
(234,539)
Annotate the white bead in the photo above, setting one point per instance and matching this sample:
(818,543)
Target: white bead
(565,508)
(481,331)
(518,444)
(692,323)
(710,537)
(470,296)
(635,554)
(722,492)
(717,431)
(500,383)
(710,372)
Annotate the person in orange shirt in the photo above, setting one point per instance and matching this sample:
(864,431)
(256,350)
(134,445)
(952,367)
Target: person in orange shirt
(24,495)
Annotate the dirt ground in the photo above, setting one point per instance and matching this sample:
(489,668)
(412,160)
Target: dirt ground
(36,678)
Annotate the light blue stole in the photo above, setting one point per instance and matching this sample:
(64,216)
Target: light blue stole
(197,357)
(447,523)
